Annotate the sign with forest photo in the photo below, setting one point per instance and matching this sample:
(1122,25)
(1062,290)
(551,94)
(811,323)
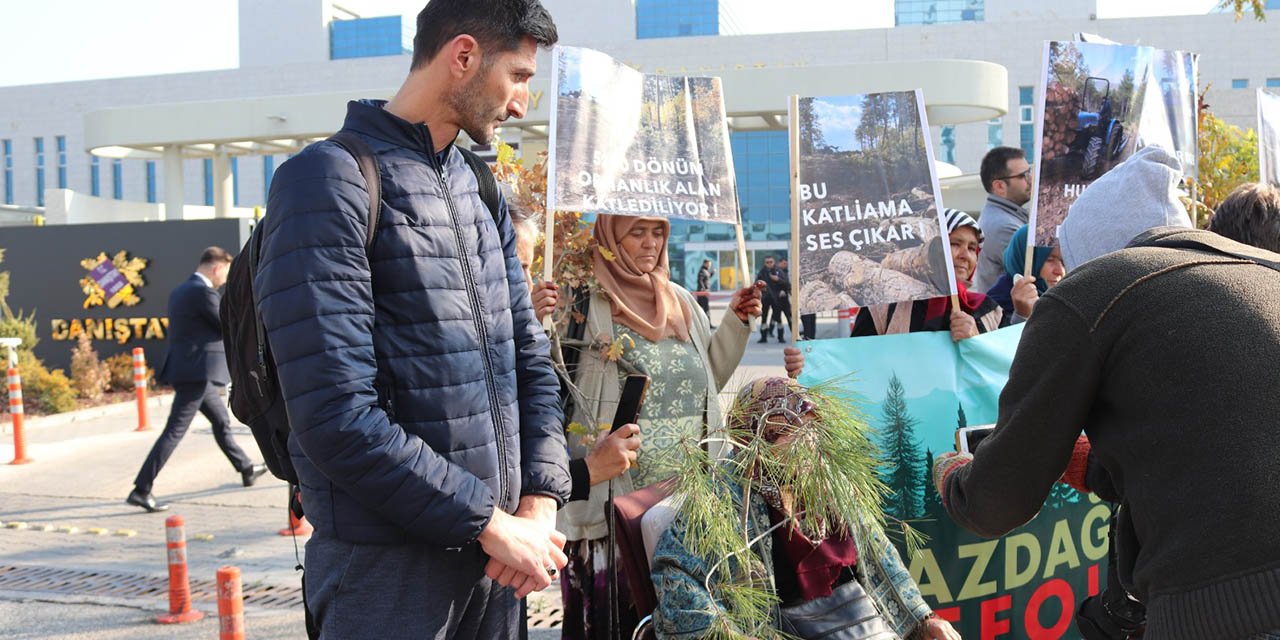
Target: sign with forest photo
(916,390)
(867,227)
(629,143)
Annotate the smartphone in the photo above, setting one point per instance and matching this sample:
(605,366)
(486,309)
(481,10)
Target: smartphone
(632,399)
(967,438)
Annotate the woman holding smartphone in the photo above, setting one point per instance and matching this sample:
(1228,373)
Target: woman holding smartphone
(636,321)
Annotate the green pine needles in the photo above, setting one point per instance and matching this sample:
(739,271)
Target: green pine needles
(827,469)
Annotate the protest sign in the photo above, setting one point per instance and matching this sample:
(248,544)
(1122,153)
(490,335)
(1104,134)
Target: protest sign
(1089,110)
(1169,115)
(867,225)
(917,389)
(1269,137)
(630,143)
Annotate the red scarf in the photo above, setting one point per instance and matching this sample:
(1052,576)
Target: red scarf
(817,567)
(941,307)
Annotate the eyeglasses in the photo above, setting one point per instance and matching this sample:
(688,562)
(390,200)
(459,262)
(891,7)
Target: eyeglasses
(1025,175)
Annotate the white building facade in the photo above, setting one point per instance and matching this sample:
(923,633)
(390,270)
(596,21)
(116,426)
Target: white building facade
(287,49)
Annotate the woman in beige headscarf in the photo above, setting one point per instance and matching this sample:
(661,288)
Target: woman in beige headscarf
(664,334)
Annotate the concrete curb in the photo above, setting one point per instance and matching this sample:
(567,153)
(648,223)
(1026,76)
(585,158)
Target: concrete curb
(156,405)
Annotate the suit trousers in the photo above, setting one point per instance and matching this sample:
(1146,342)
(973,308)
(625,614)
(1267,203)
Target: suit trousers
(188,398)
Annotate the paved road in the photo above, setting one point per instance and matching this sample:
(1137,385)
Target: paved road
(81,474)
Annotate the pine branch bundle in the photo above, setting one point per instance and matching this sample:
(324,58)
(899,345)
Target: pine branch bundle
(827,467)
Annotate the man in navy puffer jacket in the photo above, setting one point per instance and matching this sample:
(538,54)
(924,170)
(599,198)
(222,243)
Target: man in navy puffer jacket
(427,432)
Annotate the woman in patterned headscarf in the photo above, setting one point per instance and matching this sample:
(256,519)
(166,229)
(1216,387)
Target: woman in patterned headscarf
(804,467)
(638,321)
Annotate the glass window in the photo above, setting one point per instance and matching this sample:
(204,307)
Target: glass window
(995,134)
(949,144)
(268,172)
(1027,139)
(938,11)
(1273,83)
(95,176)
(1026,114)
(1026,95)
(1240,83)
(208,182)
(677,18)
(39,172)
(62,161)
(369,37)
(117,179)
(151,181)
(235,182)
(7,146)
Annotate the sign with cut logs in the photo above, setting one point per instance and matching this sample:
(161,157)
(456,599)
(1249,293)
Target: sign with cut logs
(868,224)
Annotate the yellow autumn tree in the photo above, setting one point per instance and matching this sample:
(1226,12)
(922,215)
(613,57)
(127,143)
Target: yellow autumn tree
(1228,159)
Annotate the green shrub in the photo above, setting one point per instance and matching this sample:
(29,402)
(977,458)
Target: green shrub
(19,326)
(44,391)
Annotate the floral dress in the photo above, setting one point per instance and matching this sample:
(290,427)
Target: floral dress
(672,415)
(670,419)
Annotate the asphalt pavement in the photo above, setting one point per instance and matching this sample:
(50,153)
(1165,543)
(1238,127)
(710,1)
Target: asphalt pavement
(77,562)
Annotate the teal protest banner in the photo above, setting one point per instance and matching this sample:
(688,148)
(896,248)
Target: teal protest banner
(917,389)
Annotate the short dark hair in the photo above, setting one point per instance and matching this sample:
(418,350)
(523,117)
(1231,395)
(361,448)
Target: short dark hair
(1251,215)
(996,162)
(214,255)
(498,25)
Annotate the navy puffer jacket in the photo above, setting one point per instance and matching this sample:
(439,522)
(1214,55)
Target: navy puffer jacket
(417,380)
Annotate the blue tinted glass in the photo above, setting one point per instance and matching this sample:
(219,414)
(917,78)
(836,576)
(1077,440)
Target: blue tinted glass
(117,179)
(208,182)
(235,182)
(938,11)
(151,181)
(1026,95)
(368,37)
(1026,138)
(1240,83)
(268,172)
(675,18)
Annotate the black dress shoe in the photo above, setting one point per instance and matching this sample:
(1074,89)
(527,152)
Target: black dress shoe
(251,475)
(146,501)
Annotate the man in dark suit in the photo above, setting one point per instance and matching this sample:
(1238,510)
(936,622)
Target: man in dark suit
(196,366)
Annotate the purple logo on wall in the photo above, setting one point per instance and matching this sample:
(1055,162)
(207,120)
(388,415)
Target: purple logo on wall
(109,278)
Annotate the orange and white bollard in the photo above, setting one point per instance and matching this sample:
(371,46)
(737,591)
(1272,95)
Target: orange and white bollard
(16,413)
(179,587)
(297,526)
(230,604)
(140,386)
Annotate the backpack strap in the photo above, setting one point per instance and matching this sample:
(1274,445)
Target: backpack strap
(484,177)
(359,149)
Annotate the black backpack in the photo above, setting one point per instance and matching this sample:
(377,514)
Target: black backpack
(255,391)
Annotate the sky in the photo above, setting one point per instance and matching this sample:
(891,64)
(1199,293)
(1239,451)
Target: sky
(839,118)
(65,40)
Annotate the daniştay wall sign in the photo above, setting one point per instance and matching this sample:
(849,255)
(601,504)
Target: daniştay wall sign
(108,281)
